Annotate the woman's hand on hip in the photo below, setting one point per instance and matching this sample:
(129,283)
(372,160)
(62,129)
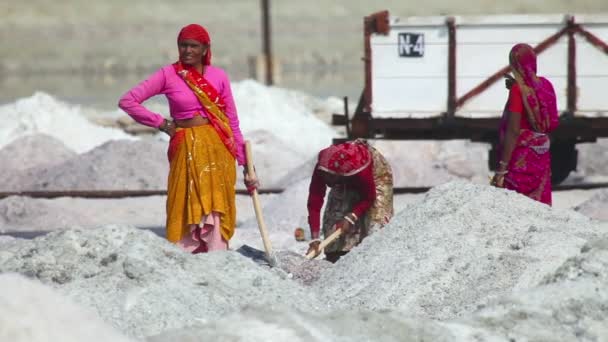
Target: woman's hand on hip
(168,127)
(171,131)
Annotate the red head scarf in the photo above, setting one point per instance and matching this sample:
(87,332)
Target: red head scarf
(537,93)
(344,159)
(200,34)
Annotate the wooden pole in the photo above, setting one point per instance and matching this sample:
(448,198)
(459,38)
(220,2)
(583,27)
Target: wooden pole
(266,41)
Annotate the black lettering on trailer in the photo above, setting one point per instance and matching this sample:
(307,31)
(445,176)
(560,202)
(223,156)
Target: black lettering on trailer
(411,44)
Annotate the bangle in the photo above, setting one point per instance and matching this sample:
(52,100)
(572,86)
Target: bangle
(165,126)
(503,163)
(502,173)
(347,218)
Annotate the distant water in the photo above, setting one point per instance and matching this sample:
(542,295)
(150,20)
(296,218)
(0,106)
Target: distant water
(321,39)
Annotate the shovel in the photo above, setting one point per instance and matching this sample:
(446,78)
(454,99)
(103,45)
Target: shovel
(258,210)
(336,234)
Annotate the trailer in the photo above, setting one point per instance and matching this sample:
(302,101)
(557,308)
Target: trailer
(441,78)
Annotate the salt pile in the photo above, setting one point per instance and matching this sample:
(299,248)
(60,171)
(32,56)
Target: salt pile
(44,163)
(115,165)
(285,115)
(32,312)
(34,150)
(595,207)
(491,264)
(430,163)
(41,113)
(22,158)
(593,161)
(143,285)
(273,158)
(22,214)
(259,325)
(281,125)
(462,244)
(569,304)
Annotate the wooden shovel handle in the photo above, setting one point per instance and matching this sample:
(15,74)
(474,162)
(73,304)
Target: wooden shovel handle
(336,234)
(256,204)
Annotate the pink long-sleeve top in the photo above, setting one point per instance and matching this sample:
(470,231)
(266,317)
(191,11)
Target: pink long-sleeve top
(183,104)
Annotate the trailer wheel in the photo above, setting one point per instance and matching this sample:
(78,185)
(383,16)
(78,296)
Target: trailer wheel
(564,157)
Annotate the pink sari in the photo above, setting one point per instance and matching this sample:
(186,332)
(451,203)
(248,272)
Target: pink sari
(530,164)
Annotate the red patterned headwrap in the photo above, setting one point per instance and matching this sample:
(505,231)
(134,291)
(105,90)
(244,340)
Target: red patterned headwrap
(200,34)
(537,93)
(344,159)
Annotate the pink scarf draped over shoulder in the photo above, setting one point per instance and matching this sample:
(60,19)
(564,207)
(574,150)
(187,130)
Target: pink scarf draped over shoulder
(530,164)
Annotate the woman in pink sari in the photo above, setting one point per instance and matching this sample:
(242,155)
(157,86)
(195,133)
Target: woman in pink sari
(530,115)
(205,145)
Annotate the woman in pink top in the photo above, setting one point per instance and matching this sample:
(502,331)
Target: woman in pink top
(530,115)
(205,142)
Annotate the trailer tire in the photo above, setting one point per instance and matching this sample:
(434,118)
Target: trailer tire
(564,157)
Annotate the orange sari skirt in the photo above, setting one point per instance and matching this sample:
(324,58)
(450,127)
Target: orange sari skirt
(202,179)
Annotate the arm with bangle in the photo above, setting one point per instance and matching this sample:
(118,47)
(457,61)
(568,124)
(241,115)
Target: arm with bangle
(364,184)
(514,109)
(510,140)
(167,126)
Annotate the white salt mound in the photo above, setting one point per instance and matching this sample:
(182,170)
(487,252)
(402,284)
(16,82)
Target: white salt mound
(302,172)
(272,157)
(143,285)
(430,163)
(115,165)
(42,113)
(33,150)
(32,312)
(596,207)
(257,324)
(463,243)
(569,304)
(593,158)
(25,156)
(20,213)
(6,239)
(284,114)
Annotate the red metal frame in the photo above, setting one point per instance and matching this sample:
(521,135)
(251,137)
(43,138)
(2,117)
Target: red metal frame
(500,73)
(450,127)
(375,23)
(591,38)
